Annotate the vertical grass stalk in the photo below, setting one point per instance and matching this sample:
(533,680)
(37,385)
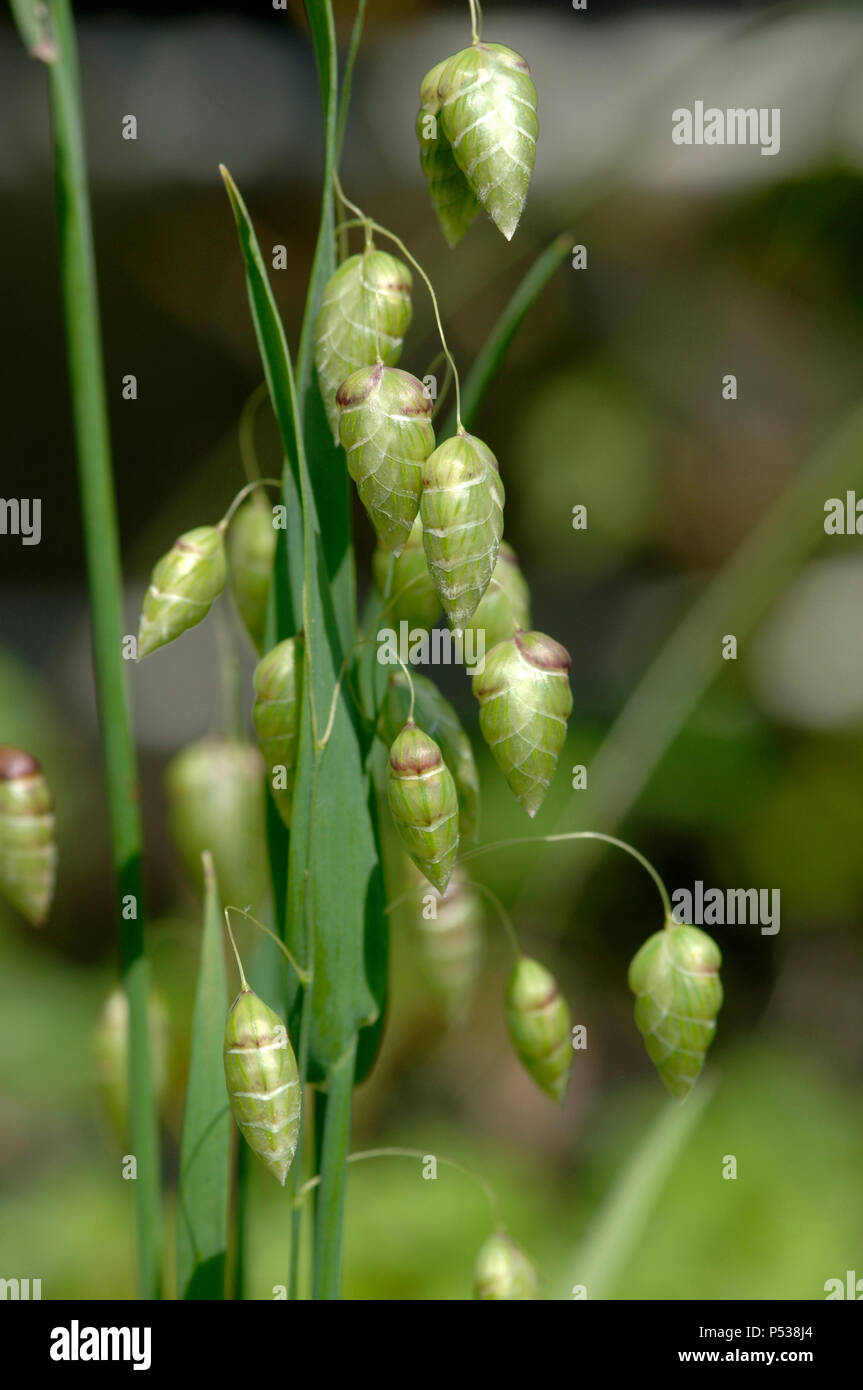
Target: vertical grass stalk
(58,49)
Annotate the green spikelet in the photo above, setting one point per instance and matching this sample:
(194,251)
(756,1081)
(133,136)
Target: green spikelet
(217,801)
(263,1082)
(111,1055)
(182,589)
(484,104)
(539,1025)
(437,716)
(503,1272)
(386,430)
(28,853)
(276,714)
(454,202)
(414,597)
(505,604)
(365,313)
(525,701)
(424,804)
(449,936)
(462,518)
(251,549)
(675,978)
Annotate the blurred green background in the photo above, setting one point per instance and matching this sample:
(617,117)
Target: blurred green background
(700,262)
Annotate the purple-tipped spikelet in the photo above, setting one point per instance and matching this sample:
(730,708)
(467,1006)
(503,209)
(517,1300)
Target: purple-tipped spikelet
(263,1082)
(675,978)
(525,701)
(183,587)
(386,431)
(424,804)
(28,852)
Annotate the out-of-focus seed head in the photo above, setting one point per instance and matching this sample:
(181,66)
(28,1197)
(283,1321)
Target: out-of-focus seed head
(503,1272)
(414,598)
(217,802)
(505,605)
(111,1055)
(539,1025)
(450,940)
(276,714)
(251,548)
(28,850)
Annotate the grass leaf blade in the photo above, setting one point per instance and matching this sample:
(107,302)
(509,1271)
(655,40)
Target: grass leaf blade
(203,1193)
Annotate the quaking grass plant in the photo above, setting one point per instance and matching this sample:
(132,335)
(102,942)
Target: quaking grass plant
(323,708)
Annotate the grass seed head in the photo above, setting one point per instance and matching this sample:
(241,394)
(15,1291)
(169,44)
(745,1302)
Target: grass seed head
(525,701)
(478,114)
(28,850)
(386,431)
(263,1082)
(424,804)
(462,518)
(183,586)
(111,1055)
(217,801)
(278,684)
(503,1272)
(450,941)
(440,721)
(365,313)
(505,605)
(675,978)
(251,547)
(414,596)
(539,1025)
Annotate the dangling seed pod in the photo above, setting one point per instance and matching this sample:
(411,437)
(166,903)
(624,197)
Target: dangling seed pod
(111,1055)
(365,313)
(437,716)
(251,548)
(505,605)
(452,198)
(183,586)
(424,804)
(386,430)
(540,1027)
(414,597)
(675,978)
(462,517)
(28,853)
(263,1082)
(479,107)
(449,935)
(525,701)
(276,714)
(503,1272)
(217,801)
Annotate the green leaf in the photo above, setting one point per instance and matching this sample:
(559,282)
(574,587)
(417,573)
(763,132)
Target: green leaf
(203,1193)
(335,905)
(497,344)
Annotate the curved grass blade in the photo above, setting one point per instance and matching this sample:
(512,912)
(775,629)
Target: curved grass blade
(203,1193)
(496,346)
